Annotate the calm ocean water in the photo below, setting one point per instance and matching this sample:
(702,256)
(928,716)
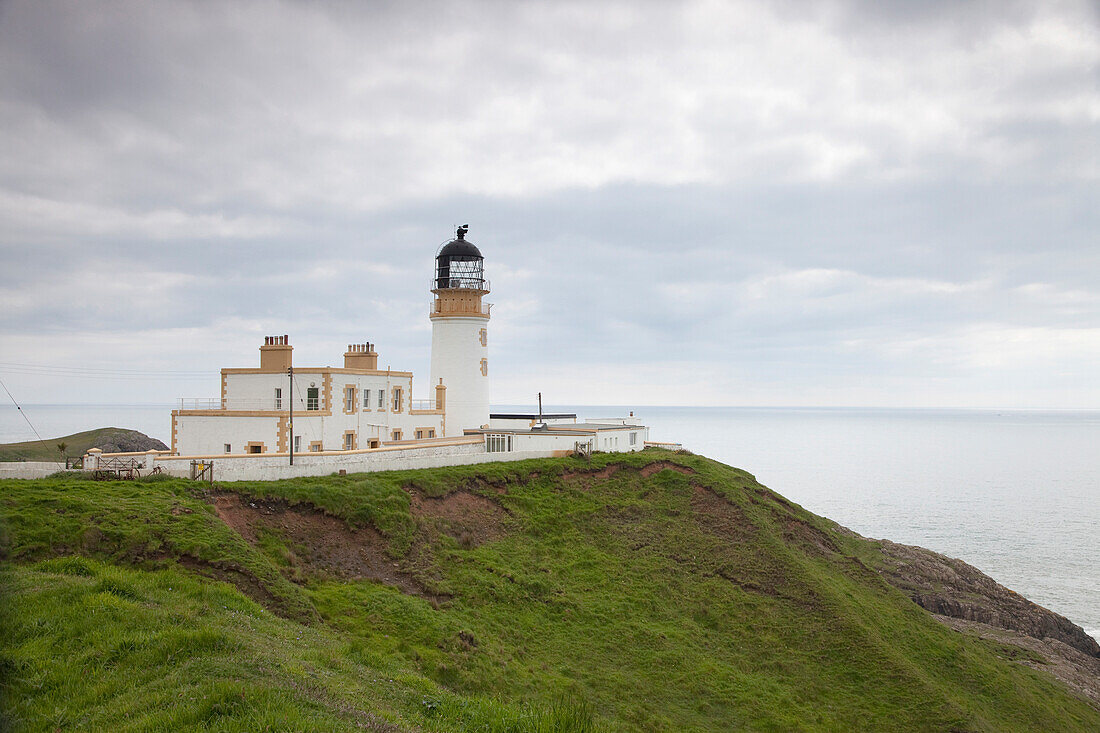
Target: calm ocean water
(1015,493)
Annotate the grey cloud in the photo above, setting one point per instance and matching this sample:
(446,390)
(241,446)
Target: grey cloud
(861,188)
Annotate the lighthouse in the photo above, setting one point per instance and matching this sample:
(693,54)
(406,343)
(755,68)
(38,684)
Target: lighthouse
(460,338)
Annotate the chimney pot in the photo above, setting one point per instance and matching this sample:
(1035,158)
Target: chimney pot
(360,356)
(275,359)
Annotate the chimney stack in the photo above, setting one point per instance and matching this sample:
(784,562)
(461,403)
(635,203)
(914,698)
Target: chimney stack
(441,396)
(361,356)
(275,354)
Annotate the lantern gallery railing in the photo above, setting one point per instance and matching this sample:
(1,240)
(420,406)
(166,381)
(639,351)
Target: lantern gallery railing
(437,307)
(459,282)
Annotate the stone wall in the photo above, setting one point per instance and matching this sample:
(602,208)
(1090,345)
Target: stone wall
(395,458)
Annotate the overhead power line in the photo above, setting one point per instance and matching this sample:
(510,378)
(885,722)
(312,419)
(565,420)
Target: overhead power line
(24,414)
(82,372)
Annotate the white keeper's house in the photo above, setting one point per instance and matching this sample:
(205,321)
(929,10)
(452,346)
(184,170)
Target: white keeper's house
(359,417)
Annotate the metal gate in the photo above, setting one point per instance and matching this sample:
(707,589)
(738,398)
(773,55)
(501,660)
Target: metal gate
(202,471)
(109,468)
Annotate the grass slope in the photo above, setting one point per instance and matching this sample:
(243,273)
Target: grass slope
(76,444)
(93,646)
(660,591)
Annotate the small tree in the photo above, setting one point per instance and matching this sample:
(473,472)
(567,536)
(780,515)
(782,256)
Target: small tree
(61,449)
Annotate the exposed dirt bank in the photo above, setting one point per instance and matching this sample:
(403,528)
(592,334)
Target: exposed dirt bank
(613,468)
(470,519)
(318,542)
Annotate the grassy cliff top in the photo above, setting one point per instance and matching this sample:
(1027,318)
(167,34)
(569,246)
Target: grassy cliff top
(109,440)
(651,591)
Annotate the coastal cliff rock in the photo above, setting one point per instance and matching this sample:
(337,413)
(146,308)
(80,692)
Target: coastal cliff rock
(120,440)
(949,587)
(1077,670)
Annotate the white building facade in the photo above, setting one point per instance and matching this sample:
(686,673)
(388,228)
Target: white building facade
(277,407)
(336,416)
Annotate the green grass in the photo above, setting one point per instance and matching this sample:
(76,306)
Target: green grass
(669,602)
(91,646)
(150,522)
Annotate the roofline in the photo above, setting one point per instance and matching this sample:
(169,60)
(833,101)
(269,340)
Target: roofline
(319,370)
(579,429)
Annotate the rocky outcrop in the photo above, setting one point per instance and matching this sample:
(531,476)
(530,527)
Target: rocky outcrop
(949,587)
(1079,671)
(120,440)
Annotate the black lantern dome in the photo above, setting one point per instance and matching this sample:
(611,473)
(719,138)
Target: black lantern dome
(459,264)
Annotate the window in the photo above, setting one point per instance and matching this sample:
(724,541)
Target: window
(297,443)
(228,448)
(419,434)
(397,435)
(431,432)
(397,399)
(278,398)
(315,446)
(484,337)
(349,440)
(634,439)
(349,399)
(313,399)
(484,367)
(381,399)
(255,448)
(498,443)
(366,399)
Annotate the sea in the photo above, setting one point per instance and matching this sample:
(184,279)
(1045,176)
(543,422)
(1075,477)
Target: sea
(1015,493)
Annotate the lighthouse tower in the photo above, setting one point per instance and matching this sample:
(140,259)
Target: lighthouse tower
(460,342)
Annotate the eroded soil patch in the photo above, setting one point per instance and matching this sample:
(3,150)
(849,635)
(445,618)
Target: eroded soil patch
(319,543)
(658,466)
(717,515)
(796,531)
(471,519)
(613,468)
(243,580)
(727,522)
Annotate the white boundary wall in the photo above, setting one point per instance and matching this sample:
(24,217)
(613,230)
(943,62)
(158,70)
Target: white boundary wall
(269,467)
(29,469)
(394,457)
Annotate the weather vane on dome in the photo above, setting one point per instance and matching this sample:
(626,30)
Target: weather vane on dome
(461,233)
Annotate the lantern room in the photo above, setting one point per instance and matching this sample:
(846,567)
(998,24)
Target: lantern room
(459,265)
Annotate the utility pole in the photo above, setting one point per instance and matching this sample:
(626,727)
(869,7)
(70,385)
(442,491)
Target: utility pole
(290,373)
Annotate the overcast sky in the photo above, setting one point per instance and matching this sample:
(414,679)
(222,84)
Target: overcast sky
(730,203)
